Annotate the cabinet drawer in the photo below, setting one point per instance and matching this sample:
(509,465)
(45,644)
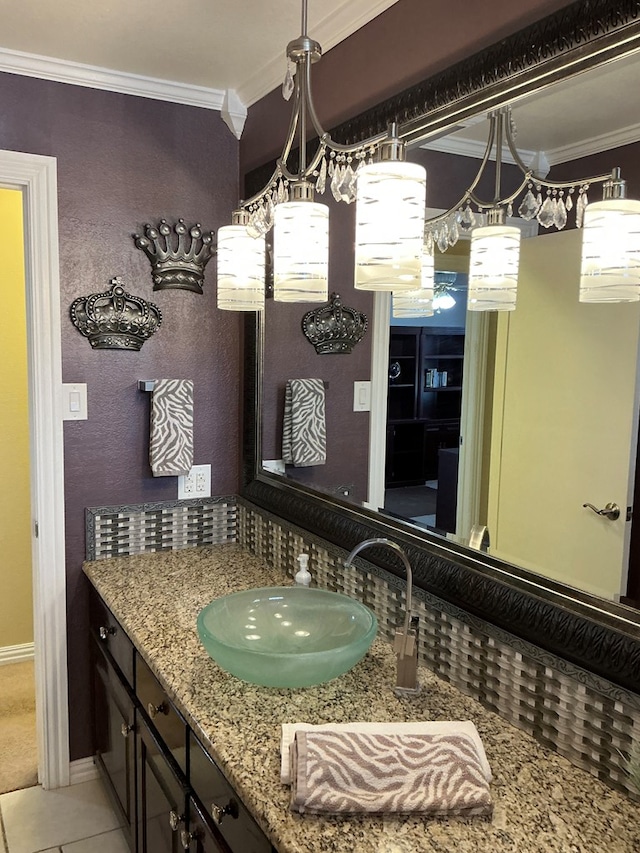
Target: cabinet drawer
(161,712)
(221,805)
(110,635)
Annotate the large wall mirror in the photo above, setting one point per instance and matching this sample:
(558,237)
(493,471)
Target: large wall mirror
(510,421)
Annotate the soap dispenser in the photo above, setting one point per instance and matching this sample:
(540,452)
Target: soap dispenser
(303,578)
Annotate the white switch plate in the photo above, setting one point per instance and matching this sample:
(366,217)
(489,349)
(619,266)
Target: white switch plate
(195,484)
(362,396)
(74,401)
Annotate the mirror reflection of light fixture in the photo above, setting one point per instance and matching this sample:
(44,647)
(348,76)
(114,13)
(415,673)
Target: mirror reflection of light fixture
(611,252)
(493,265)
(443,299)
(418,302)
(241,257)
(610,270)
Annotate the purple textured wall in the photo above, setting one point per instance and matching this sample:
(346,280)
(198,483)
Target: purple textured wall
(124,161)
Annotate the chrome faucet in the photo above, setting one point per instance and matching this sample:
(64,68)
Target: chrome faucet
(406,639)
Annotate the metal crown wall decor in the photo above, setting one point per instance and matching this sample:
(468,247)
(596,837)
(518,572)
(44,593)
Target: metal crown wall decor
(334,327)
(115,319)
(178,255)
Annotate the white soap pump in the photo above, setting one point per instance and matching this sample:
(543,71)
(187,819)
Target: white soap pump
(303,578)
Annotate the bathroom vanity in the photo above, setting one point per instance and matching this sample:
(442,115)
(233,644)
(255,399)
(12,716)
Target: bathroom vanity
(191,754)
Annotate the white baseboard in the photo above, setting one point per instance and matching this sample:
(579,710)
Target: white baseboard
(83,770)
(16,654)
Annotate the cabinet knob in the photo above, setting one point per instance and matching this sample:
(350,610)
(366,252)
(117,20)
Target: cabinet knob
(125,729)
(218,812)
(186,838)
(154,710)
(175,820)
(105,631)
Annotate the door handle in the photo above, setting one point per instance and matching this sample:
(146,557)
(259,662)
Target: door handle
(610,511)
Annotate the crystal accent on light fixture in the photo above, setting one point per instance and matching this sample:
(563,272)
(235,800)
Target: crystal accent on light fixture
(528,206)
(241,263)
(390,222)
(301,276)
(493,265)
(287,84)
(546,214)
(418,302)
(610,269)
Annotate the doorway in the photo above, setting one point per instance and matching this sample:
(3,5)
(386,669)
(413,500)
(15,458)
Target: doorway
(18,743)
(35,177)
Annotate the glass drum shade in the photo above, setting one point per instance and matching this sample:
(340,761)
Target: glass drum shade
(419,302)
(493,268)
(301,252)
(240,269)
(610,270)
(390,210)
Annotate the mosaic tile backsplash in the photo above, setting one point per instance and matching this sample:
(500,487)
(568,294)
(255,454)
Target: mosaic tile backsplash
(114,531)
(588,720)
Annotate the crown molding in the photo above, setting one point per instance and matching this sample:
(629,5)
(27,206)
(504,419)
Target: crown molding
(594,145)
(474,148)
(553,157)
(93,77)
(330,31)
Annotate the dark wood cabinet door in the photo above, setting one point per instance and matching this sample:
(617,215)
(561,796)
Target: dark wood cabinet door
(202,838)
(114,739)
(162,797)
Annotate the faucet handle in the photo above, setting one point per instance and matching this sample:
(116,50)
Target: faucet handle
(404,644)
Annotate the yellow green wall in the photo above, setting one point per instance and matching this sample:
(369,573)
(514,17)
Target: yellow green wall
(16,618)
(563,422)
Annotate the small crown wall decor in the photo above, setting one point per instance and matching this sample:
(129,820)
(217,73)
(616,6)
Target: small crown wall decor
(115,319)
(178,255)
(333,327)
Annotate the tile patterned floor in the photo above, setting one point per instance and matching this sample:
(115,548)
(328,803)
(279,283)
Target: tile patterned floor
(77,819)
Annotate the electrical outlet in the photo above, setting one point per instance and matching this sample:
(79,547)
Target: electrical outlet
(195,484)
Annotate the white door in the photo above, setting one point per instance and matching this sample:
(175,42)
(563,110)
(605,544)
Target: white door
(564,418)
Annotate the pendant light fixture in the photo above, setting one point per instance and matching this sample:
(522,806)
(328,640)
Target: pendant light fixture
(288,202)
(390,211)
(241,280)
(390,216)
(610,270)
(301,248)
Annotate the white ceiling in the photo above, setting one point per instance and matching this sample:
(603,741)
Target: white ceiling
(221,45)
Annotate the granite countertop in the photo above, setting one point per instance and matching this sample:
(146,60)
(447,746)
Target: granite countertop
(543,804)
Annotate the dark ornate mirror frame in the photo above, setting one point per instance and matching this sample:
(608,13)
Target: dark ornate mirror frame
(601,636)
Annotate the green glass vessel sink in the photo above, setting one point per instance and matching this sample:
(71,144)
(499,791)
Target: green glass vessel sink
(289,636)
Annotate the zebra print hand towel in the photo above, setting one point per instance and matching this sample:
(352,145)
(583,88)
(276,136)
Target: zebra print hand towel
(349,772)
(304,429)
(171,439)
(421,727)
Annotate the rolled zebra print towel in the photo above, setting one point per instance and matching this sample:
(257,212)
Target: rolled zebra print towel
(348,772)
(304,434)
(171,438)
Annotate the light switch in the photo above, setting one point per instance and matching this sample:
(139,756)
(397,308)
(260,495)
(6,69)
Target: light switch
(362,396)
(74,401)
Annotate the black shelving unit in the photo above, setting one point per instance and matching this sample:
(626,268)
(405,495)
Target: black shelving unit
(424,401)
